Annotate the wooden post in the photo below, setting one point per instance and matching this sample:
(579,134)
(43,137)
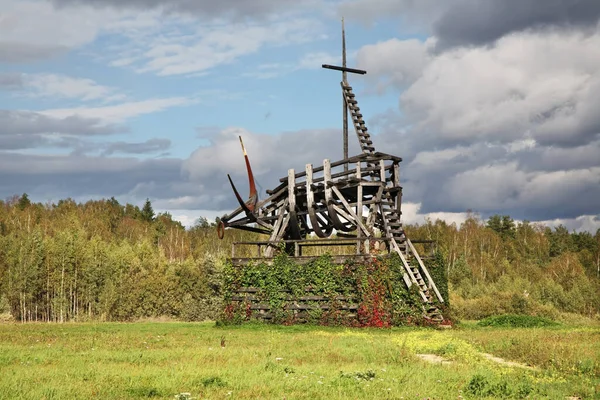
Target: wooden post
(424,269)
(344,105)
(359,205)
(397,184)
(310,196)
(291,187)
(327,179)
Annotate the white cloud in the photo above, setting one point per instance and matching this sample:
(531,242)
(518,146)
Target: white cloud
(189,217)
(542,85)
(184,48)
(120,112)
(62,86)
(584,223)
(31,30)
(395,63)
(411,215)
(315,60)
(307,61)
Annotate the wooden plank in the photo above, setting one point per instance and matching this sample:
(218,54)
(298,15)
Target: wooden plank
(296,299)
(394,246)
(327,178)
(412,277)
(375,157)
(310,196)
(291,194)
(337,259)
(276,230)
(308,242)
(352,213)
(248,290)
(275,238)
(431,282)
(359,204)
(374,207)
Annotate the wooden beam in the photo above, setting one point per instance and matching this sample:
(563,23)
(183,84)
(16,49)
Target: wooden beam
(327,178)
(359,204)
(431,282)
(310,196)
(350,211)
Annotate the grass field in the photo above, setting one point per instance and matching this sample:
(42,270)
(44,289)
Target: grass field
(170,360)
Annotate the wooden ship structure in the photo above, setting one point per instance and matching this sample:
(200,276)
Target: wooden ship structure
(357,200)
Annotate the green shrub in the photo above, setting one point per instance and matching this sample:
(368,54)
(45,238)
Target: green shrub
(375,287)
(516,321)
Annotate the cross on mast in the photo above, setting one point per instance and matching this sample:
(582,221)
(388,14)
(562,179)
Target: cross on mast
(345,71)
(344,108)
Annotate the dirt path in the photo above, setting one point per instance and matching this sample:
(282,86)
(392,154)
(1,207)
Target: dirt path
(502,361)
(435,359)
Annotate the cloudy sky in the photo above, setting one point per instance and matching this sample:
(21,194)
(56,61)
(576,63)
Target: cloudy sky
(493,104)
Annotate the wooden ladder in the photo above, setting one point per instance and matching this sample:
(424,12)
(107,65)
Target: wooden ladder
(364,138)
(416,272)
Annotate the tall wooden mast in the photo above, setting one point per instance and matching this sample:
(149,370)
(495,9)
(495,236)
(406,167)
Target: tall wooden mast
(344,107)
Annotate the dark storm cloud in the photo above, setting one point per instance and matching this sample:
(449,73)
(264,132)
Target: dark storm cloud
(207,8)
(478,22)
(11,81)
(15,122)
(21,52)
(199,182)
(552,159)
(56,177)
(19,142)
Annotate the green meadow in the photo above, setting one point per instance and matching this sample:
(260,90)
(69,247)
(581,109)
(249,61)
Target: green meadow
(176,360)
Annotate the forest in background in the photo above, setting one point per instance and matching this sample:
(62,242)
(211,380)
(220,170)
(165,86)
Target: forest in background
(105,261)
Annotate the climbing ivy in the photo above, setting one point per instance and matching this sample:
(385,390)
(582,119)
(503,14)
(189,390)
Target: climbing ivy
(375,287)
(438,272)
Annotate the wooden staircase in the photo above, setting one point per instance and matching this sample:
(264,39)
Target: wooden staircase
(364,138)
(416,272)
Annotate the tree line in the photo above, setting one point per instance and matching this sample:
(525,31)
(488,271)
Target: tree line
(102,260)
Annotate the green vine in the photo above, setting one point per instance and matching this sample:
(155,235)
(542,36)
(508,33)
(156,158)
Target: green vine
(351,294)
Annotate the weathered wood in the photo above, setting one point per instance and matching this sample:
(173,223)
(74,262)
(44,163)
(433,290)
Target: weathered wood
(289,298)
(359,204)
(310,196)
(358,222)
(318,200)
(338,259)
(364,158)
(424,269)
(291,185)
